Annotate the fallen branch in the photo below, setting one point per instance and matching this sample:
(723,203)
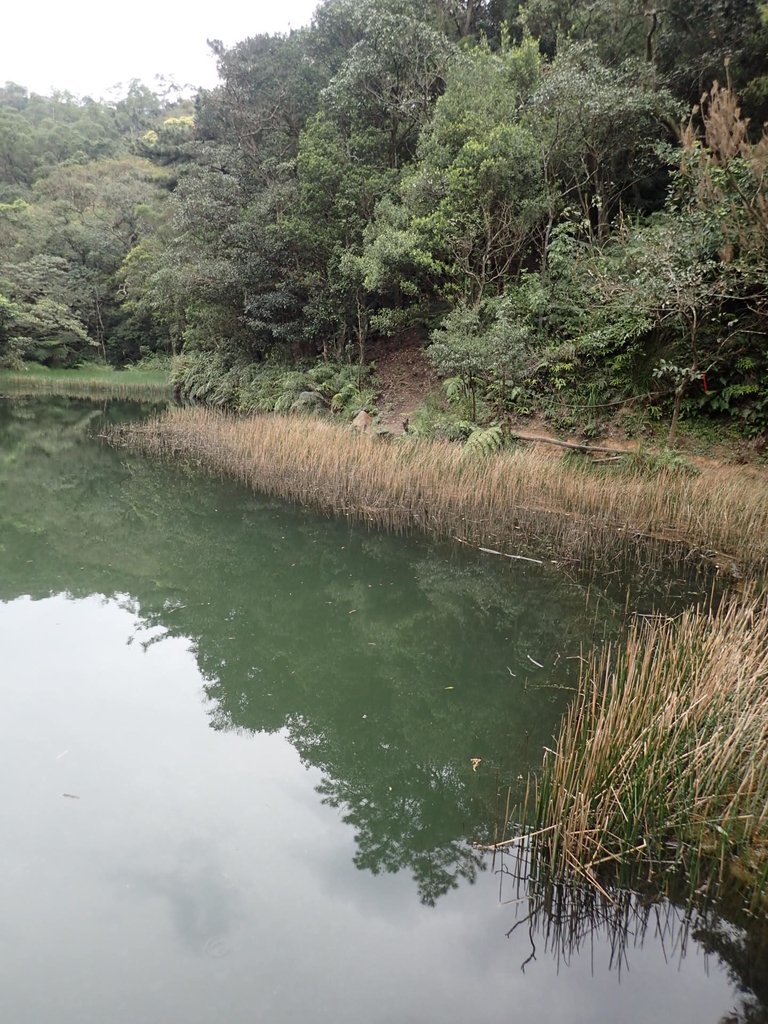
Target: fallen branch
(575,445)
(503,554)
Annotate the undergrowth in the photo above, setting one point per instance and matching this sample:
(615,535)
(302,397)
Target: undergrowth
(342,389)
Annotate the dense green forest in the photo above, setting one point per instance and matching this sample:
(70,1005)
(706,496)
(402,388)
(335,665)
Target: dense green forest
(567,201)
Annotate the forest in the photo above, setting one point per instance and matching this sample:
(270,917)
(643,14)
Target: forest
(566,202)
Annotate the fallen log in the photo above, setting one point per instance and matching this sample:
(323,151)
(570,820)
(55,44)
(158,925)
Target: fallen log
(575,445)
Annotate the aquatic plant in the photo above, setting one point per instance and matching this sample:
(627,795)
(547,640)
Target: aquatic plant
(661,762)
(518,501)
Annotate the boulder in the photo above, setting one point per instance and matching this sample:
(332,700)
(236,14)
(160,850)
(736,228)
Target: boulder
(308,401)
(362,422)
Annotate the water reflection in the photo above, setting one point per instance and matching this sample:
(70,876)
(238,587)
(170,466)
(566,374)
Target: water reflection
(387,665)
(568,920)
(201,899)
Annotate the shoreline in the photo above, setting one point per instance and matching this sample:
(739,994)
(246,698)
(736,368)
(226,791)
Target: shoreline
(558,509)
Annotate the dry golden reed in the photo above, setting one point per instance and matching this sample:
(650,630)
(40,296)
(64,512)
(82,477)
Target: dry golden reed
(519,501)
(662,759)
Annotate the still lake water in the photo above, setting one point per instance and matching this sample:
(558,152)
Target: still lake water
(236,749)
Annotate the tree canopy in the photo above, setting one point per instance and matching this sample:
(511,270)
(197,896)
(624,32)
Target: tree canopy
(586,180)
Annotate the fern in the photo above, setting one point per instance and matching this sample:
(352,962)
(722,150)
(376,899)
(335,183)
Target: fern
(285,400)
(271,386)
(455,390)
(482,442)
(344,397)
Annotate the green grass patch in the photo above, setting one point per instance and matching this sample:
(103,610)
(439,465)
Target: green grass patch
(88,381)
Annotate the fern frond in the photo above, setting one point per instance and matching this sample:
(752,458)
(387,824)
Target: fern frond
(455,390)
(484,441)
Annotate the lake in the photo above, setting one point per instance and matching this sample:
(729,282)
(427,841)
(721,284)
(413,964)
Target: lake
(249,756)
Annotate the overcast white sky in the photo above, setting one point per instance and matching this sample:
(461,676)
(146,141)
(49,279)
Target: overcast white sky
(87,46)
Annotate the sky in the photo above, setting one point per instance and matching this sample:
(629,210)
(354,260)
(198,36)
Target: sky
(86,47)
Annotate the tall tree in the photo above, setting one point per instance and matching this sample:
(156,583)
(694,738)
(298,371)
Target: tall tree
(269,89)
(391,80)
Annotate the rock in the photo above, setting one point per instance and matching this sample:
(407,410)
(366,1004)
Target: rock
(362,422)
(308,401)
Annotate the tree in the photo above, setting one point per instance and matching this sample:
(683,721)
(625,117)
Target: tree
(17,156)
(681,299)
(269,89)
(138,110)
(467,18)
(482,347)
(9,354)
(391,80)
(83,219)
(47,331)
(600,130)
(39,132)
(685,43)
(476,198)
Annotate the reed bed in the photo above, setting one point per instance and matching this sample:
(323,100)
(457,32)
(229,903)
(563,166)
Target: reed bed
(516,501)
(662,759)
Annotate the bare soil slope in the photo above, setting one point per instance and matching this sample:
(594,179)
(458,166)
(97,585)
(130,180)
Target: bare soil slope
(405,378)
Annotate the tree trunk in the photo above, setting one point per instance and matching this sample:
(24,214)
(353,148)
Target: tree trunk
(671,438)
(650,13)
(100,327)
(362,334)
(469,19)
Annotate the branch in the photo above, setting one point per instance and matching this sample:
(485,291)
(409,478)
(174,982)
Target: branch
(576,446)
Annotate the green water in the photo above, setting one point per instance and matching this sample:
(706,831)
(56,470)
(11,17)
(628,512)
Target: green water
(236,760)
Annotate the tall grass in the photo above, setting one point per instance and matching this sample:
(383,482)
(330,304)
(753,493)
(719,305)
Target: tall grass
(662,759)
(517,501)
(87,382)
